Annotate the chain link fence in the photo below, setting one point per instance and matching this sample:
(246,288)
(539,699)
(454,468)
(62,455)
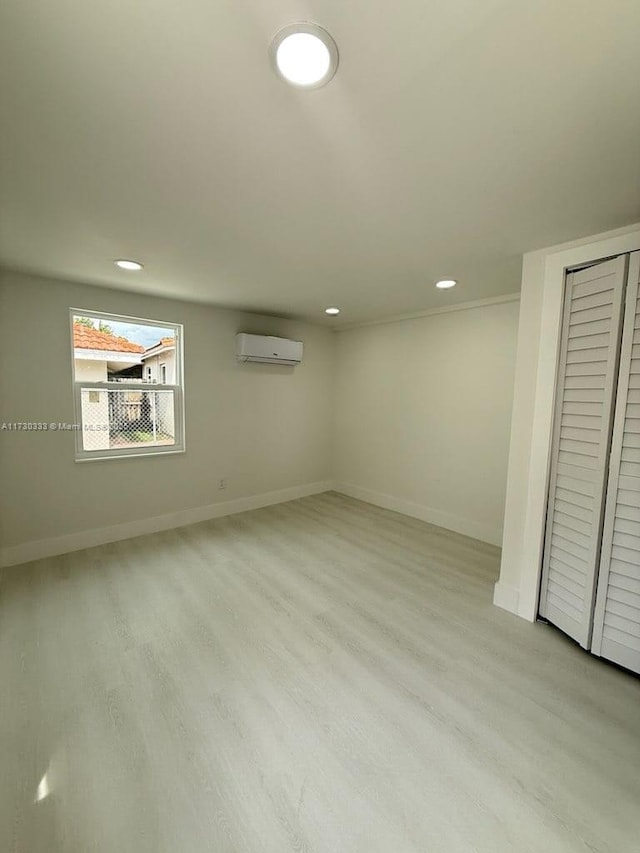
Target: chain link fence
(127,418)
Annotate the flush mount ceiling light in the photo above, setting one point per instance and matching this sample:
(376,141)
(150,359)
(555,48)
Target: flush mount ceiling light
(304,55)
(125,264)
(332,311)
(446,283)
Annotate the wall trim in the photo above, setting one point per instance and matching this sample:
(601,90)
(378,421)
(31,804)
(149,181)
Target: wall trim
(468,527)
(445,309)
(41,548)
(507,597)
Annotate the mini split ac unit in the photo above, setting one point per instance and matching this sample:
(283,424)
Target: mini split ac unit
(268,349)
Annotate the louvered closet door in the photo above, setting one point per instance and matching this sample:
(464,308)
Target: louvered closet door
(616,630)
(583,412)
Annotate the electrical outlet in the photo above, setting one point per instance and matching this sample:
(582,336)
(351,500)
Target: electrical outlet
(222,483)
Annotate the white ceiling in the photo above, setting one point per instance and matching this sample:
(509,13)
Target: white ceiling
(455,136)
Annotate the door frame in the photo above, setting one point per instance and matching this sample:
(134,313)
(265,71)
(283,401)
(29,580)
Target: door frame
(530,454)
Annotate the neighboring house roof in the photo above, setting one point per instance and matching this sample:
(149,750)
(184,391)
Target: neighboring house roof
(163,342)
(163,345)
(94,339)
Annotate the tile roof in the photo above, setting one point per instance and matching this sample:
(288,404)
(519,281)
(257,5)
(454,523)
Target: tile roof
(163,342)
(86,338)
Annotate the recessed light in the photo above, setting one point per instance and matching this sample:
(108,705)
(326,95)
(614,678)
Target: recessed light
(332,311)
(128,265)
(446,283)
(304,55)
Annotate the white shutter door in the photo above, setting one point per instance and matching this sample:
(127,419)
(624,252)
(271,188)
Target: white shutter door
(616,630)
(583,410)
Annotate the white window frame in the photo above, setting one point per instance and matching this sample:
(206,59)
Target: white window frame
(82,455)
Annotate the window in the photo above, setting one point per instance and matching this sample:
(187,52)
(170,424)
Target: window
(121,410)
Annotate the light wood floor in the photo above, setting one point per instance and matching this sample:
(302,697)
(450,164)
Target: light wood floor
(317,676)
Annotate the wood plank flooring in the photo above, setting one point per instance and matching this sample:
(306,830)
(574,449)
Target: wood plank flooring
(321,676)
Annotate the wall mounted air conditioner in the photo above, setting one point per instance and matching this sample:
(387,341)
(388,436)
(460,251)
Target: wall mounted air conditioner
(267,349)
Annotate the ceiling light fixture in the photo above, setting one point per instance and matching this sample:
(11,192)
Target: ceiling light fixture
(128,265)
(446,283)
(304,55)
(332,311)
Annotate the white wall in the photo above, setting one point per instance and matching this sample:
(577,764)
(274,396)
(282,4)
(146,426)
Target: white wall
(167,358)
(95,410)
(264,428)
(543,275)
(422,415)
(88,370)
(152,371)
(421,419)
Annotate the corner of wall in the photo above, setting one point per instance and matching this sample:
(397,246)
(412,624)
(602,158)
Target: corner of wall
(466,527)
(507,597)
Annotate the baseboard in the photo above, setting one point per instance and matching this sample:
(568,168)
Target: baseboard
(474,529)
(507,597)
(37,550)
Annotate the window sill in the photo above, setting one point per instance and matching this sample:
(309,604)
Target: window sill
(149,453)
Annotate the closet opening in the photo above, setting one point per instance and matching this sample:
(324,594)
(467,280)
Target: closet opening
(590,584)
